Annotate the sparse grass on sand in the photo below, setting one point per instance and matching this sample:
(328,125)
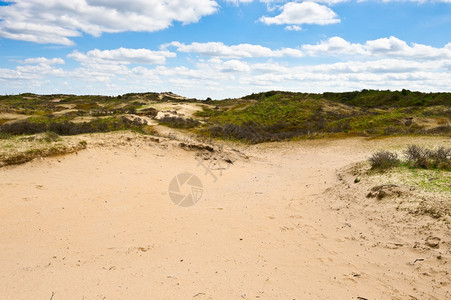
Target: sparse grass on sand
(434,180)
(420,183)
(21,149)
(418,191)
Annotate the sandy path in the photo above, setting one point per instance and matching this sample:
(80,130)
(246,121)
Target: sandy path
(100,225)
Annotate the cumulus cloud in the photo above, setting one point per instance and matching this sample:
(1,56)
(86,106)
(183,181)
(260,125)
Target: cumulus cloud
(386,45)
(57,21)
(303,13)
(393,46)
(218,49)
(334,45)
(383,47)
(122,56)
(235,66)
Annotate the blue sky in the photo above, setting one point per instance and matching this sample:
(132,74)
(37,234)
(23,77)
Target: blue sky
(220,49)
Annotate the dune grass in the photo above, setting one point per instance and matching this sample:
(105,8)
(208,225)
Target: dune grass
(21,149)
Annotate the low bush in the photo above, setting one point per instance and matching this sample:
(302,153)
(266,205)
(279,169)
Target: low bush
(23,127)
(420,157)
(255,133)
(439,130)
(149,112)
(248,132)
(69,128)
(178,122)
(416,157)
(384,160)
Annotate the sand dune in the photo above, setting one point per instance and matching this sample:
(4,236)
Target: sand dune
(101,225)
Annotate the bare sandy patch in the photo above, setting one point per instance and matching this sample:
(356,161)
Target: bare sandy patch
(271,224)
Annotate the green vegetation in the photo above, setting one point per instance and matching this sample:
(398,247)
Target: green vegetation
(28,155)
(178,122)
(416,157)
(419,157)
(71,115)
(269,116)
(64,127)
(384,160)
(369,98)
(21,149)
(5,136)
(274,115)
(419,182)
(429,180)
(404,98)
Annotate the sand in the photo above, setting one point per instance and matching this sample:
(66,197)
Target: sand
(101,225)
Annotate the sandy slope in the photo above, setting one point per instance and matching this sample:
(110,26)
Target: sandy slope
(100,225)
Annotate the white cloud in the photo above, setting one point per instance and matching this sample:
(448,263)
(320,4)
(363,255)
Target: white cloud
(381,66)
(331,2)
(334,45)
(42,60)
(218,49)
(236,2)
(420,1)
(228,78)
(235,66)
(56,21)
(293,28)
(303,13)
(386,63)
(275,2)
(383,47)
(386,45)
(353,75)
(122,56)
